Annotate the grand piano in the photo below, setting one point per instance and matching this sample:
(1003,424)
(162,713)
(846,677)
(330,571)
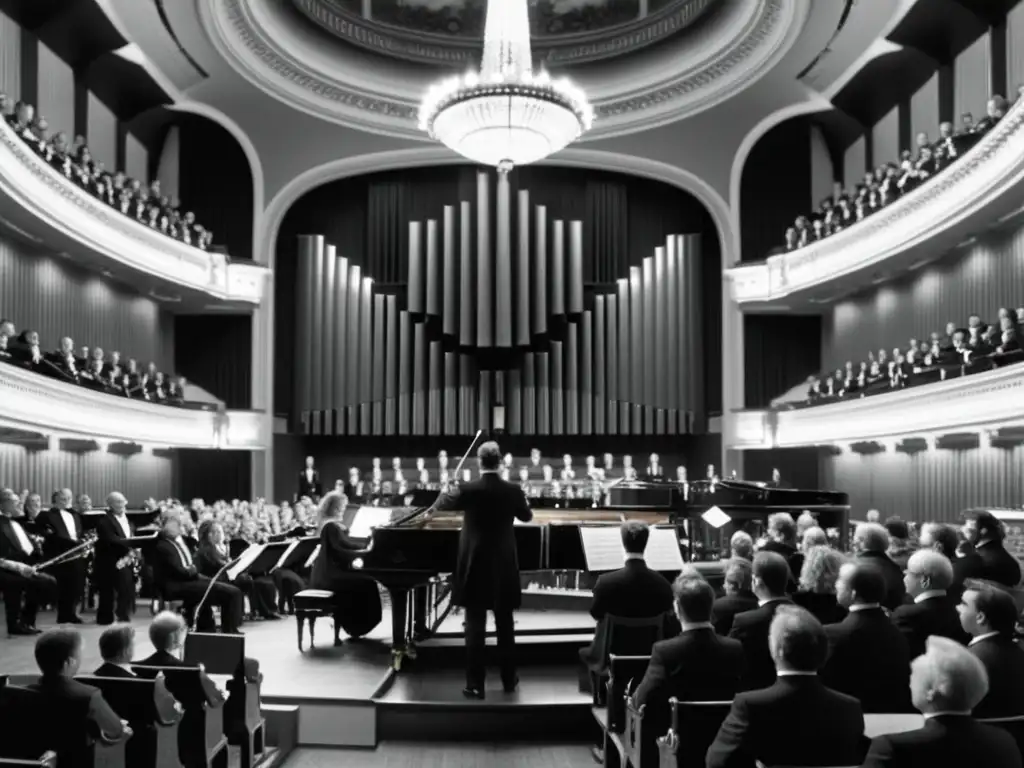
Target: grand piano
(414,550)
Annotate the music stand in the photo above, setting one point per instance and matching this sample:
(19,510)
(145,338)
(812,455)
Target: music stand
(219,654)
(267,559)
(299,554)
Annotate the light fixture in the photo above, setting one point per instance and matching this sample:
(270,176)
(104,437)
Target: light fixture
(505,115)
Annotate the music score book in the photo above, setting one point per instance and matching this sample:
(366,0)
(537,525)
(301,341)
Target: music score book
(258,559)
(603,550)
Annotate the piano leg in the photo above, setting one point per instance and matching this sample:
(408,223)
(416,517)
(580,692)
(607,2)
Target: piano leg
(422,598)
(399,619)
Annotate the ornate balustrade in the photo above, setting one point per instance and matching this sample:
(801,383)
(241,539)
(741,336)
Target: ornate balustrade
(983,402)
(982,187)
(33,403)
(40,203)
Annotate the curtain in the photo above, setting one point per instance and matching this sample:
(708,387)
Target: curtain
(779,352)
(214,475)
(214,352)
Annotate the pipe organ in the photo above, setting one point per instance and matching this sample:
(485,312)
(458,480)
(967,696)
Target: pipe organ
(495,312)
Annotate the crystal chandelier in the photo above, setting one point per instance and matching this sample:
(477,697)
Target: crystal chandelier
(506,115)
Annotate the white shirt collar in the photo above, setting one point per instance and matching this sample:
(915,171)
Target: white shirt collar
(795,673)
(690,627)
(634,556)
(864,607)
(929,594)
(945,713)
(986,636)
(126,668)
(762,603)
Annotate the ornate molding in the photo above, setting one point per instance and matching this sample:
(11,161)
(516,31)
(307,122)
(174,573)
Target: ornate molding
(66,217)
(35,403)
(748,42)
(984,401)
(979,189)
(453,50)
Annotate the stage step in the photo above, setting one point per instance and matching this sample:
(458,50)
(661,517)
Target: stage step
(531,649)
(428,705)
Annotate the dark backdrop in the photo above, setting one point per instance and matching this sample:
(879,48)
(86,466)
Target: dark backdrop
(779,352)
(214,475)
(367,218)
(775,187)
(799,467)
(215,353)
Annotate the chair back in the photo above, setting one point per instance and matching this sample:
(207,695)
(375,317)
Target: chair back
(219,654)
(624,674)
(694,727)
(133,699)
(632,637)
(184,683)
(28,716)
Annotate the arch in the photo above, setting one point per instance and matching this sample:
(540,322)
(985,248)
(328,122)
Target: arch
(574,157)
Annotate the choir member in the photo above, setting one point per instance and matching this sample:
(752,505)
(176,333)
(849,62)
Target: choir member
(309,481)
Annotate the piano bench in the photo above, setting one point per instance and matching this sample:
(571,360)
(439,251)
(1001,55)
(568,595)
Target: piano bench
(311,604)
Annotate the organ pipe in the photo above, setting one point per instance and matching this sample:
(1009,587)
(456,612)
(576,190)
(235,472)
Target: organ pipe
(529,386)
(416,289)
(366,355)
(690,245)
(433,303)
(466,395)
(484,275)
(419,379)
(483,400)
(329,351)
(636,345)
(611,324)
(379,354)
(342,355)
(451,393)
(572,384)
(391,367)
(304,326)
(661,356)
(404,373)
(558,268)
(586,394)
(575,267)
(467,318)
(672,336)
(648,342)
(540,274)
(514,401)
(555,389)
(503,265)
(598,359)
(355,281)
(523,271)
(315,371)
(434,401)
(543,394)
(449,324)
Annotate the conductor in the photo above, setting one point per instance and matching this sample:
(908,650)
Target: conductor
(487,570)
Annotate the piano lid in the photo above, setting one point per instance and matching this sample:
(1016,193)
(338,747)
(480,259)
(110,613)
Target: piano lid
(743,493)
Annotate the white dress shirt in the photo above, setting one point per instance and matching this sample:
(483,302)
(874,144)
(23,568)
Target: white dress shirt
(23,540)
(183,553)
(126,529)
(864,607)
(929,594)
(795,673)
(69,523)
(986,636)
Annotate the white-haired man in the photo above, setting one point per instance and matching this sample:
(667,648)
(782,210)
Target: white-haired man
(741,545)
(813,537)
(946,683)
(870,545)
(928,576)
(114,566)
(756,727)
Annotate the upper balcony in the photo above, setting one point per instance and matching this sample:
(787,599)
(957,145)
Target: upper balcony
(981,188)
(42,205)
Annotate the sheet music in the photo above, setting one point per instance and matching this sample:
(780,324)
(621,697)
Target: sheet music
(288,551)
(603,550)
(715,517)
(368,518)
(312,557)
(244,560)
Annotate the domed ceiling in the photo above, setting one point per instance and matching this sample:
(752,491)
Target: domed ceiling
(564,32)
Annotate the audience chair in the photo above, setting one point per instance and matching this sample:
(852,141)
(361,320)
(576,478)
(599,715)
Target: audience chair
(623,637)
(201,740)
(624,674)
(311,604)
(694,726)
(154,743)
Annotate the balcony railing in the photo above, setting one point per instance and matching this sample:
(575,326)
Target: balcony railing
(983,402)
(42,204)
(982,187)
(30,402)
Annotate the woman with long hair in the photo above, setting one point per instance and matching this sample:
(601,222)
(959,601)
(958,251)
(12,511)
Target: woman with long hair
(357,607)
(212,555)
(817,592)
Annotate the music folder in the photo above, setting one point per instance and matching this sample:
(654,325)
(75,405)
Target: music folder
(258,559)
(296,553)
(603,550)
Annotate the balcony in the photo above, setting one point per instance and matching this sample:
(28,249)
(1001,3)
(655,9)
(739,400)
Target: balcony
(33,403)
(38,203)
(985,186)
(980,404)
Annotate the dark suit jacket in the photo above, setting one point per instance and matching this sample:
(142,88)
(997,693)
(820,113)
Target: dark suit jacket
(869,659)
(698,665)
(10,547)
(167,564)
(760,727)
(895,589)
(728,606)
(57,540)
(106,669)
(950,741)
(794,559)
(307,488)
(822,605)
(1004,662)
(334,562)
(110,546)
(989,561)
(66,696)
(487,567)
(751,629)
(934,616)
(164,659)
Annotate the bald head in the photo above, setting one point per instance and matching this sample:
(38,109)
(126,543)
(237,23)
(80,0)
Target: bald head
(117,503)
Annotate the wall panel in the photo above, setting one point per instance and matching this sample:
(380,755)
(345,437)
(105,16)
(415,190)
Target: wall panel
(56,92)
(10,58)
(885,138)
(822,172)
(136,159)
(1015,48)
(972,78)
(855,161)
(924,109)
(102,133)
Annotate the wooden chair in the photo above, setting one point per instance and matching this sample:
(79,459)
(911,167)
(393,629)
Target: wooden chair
(694,725)
(146,706)
(311,604)
(48,760)
(201,740)
(623,637)
(624,674)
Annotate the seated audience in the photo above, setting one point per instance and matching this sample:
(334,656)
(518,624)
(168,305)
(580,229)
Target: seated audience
(929,575)
(817,590)
(899,541)
(117,646)
(167,634)
(804,523)
(741,545)
(771,577)
(24,588)
(739,595)
(989,559)
(944,539)
(697,665)
(761,722)
(870,545)
(869,658)
(989,616)
(946,683)
(782,539)
(813,537)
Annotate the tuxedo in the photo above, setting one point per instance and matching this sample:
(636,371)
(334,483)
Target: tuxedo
(165,659)
(794,559)
(933,616)
(62,531)
(869,659)
(946,741)
(178,578)
(65,700)
(895,589)
(1004,662)
(831,727)
(106,669)
(115,585)
(821,605)
(22,594)
(309,484)
(751,629)
(989,561)
(696,665)
(727,606)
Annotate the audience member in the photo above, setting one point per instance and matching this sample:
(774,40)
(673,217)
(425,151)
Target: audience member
(870,544)
(739,595)
(929,575)
(117,647)
(813,537)
(741,545)
(817,590)
(989,616)
(804,523)
(944,539)
(989,560)
(899,541)
(782,539)
(869,657)
(167,635)
(770,579)
(760,724)
(946,683)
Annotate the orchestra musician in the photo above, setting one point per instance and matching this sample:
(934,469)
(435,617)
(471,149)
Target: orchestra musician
(354,486)
(114,566)
(24,588)
(628,470)
(309,481)
(654,466)
(212,555)
(567,473)
(62,530)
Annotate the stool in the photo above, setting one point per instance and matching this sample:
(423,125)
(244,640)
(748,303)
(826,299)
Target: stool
(311,604)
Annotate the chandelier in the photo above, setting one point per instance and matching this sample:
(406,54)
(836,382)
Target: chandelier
(505,115)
